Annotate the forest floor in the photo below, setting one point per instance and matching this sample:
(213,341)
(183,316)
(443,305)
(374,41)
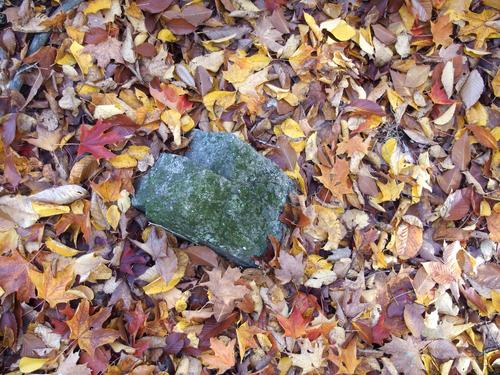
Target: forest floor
(383,112)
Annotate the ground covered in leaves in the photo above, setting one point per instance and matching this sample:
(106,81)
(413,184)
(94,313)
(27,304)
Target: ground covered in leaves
(383,112)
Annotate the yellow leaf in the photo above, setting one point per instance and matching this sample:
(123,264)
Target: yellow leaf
(113,216)
(97,5)
(495,83)
(388,192)
(311,22)
(27,364)
(394,98)
(47,209)
(495,298)
(291,128)
(393,156)
(165,35)
(75,33)
(84,60)
(484,208)
(477,115)
(138,152)
(123,161)
(84,89)
(343,31)
(60,248)
(159,285)
(295,174)
(223,99)
(66,59)
(187,123)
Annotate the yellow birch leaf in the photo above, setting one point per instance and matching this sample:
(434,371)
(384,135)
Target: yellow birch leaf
(113,216)
(95,6)
(66,59)
(84,60)
(123,161)
(388,192)
(47,209)
(343,31)
(60,248)
(28,364)
(394,98)
(165,35)
(295,174)
(84,89)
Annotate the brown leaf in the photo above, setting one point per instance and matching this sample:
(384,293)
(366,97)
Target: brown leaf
(461,152)
(223,357)
(450,180)
(443,350)
(14,276)
(441,30)
(457,205)
(472,89)
(409,240)
(106,51)
(154,6)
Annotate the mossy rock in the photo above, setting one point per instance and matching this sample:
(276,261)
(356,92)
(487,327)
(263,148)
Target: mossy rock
(222,193)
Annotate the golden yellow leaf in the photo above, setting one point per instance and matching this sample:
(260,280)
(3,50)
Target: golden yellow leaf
(495,84)
(28,364)
(343,31)
(95,6)
(290,128)
(75,33)
(113,216)
(60,248)
(389,191)
(311,22)
(165,35)
(47,209)
(84,60)
(222,99)
(477,115)
(123,161)
(393,156)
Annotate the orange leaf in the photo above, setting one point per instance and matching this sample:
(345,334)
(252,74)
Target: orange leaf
(294,325)
(484,136)
(223,358)
(53,288)
(336,179)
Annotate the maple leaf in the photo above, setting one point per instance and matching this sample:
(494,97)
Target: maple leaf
(352,145)
(53,289)
(129,258)
(291,267)
(336,178)
(169,95)
(347,360)
(406,355)
(106,51)
(295,324)
(164,257)
(14,276)
(310,358)
(222,358)
(441,30)
(69,366)
(104,132)
(245,334)
(87,329)
(223,286)
(482,24)
(79,222)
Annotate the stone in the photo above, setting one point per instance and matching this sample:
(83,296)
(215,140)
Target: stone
(222,194)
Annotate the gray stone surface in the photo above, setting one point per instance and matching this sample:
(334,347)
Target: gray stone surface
(222,193)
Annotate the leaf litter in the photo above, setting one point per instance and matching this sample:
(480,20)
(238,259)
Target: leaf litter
(384,113)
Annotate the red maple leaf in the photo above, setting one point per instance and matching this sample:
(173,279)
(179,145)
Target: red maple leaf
(295,324)
(104,132)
